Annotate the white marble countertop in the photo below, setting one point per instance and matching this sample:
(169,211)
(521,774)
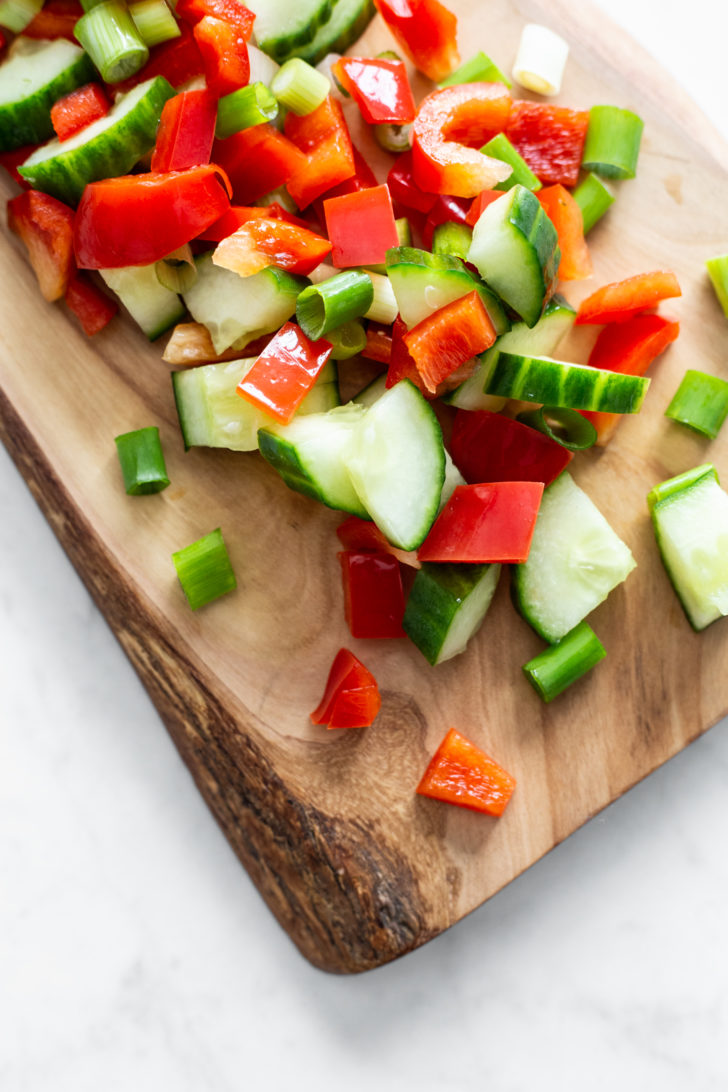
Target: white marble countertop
(136,954)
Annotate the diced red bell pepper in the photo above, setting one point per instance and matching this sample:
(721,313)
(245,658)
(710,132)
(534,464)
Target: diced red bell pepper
(351,698)
(186,131)
(379,343)
(488,447)
(79,108)
(266,241)
(480,203)
(138,219)
(427,32)
(373,595)
(404,189)
(306,130)
(257,160)
(45,226)
(622,299)
(401,363)
(56,19)
(363,536)
(488,522)
(460,773)
(445,340)
(447,122)
(224,55)
(362,179)
(3,41)
(284,372)
(90,305)
(179,60)
(361,227)
(628,347)
(237,215)
(324,138)
(566,216)
(446,210)
(229,11)
(379,87)
(550,138)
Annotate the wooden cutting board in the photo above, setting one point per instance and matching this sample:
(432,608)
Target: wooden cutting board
(355,866)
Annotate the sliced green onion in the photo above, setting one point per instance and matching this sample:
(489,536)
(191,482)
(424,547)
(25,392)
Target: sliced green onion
(241,109)
(108,35)
(347,340)
(323,307)
(388,55)
(593,198)
(178,271)
(612,144)
(452,238)
(282,197)
(204,569)
(663,490)
(540,59)
(384,304)
(557,667)
(700,402)
(16,14)
(154,21)
(718,273)
(299,86)
(479,69)
(394,138)
(501,148)
(566,426)
(142,461)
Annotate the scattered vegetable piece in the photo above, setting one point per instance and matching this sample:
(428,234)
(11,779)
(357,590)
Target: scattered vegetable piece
(323,307)
(90,305)
(557,667)
(45,226)
(351,698)
(718,273)
(613,141)
(565,426)
(426,31)
(262,242)
(460,773)
(700,402)
(564,213)
(373,595)
(154,21)
(361,227)
(78,109)
(487,522)
(142,461)
(379,87)
(204,569)
(299,87)
(500,147)
(479,69)
(186,131)
(361,535)
(623,299)
(446,607)
(284,373)
(540,60)
(550,139)
(257,160)
(445,340)
(107,33)
(488,447)
(593,197)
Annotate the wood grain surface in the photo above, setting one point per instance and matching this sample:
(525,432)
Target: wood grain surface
(356,867)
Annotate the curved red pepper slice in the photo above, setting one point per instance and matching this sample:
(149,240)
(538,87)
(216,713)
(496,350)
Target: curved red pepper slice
(265,241)
(379,87)
(404,189)
(460,773)
(622,299)
(566,216)
(351,698)
(427,32)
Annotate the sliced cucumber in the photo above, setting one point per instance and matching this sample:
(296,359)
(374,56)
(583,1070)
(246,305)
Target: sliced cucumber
(691,527)
(446,607)
(576,559)
(560,383)
(211,414)
(280,25)
(397,464)
(106,148)
(543,338)
(346,24)
(237,309)
(37,73)
(516,251)
(373,391)
(424,282)
(310,455)
(150,304)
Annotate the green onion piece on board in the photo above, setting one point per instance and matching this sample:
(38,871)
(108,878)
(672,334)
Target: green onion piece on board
(664,490)
(394,138)
(612,144)
(204,569)
(241,109)
(323,307)
(108,35)
(479,69)
(593,198)
(452,238)
(557,667)
(718,273)
(154,21)
(501,148)
(16,14)
(566,426)
(142,461)
(347,340)
(299,87)
(700,402)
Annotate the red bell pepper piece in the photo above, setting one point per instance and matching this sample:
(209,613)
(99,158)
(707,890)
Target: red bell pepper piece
(257,160)
(266,241)
(447,122)
(379,343)
(379,87)
(488,447)
(564,213)
(622,299)
(628,347)
(229,11)
(186,131)
(45,226)
(56,19)
(224,55)
(284,372)
(480,203)
(445,340)
(3,41)
(306,130)
(373,595)
(363,536)
(363,178)
(404,189)
(460,773)
(237,215)
(178,60)
(361,227)
(79,108)
(488,522)
(550,138)
(351,698)
(401,363)
(138,219)
(427,32)
(324,138)
(446,210)
(90,305)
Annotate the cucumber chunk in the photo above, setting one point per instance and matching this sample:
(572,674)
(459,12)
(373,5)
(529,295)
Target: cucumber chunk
(346,24)
(576,559)
(424,282)
(560,383)
(446,607)
(105,149)
(280,26)
(150,304)
(37,73)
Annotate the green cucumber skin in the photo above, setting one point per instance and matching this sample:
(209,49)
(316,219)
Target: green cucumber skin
(106,153)
(283,457)
(439,593)
(563,384)
(346,24)
(28,121)
(276,40)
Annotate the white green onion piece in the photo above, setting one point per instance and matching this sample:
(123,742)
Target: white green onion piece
(394,138)
(593,198)
(244,108)
(384,304)
(501,148)
(323,307)
(204,569)
(142,461)
(613,139)
(479,69)
(540,60)
(565,426)
(154,21)
(557,667)
(109,36)
(16,14)
(262,67)
(347,340)
(718,272)
(299,87)
(700,402)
